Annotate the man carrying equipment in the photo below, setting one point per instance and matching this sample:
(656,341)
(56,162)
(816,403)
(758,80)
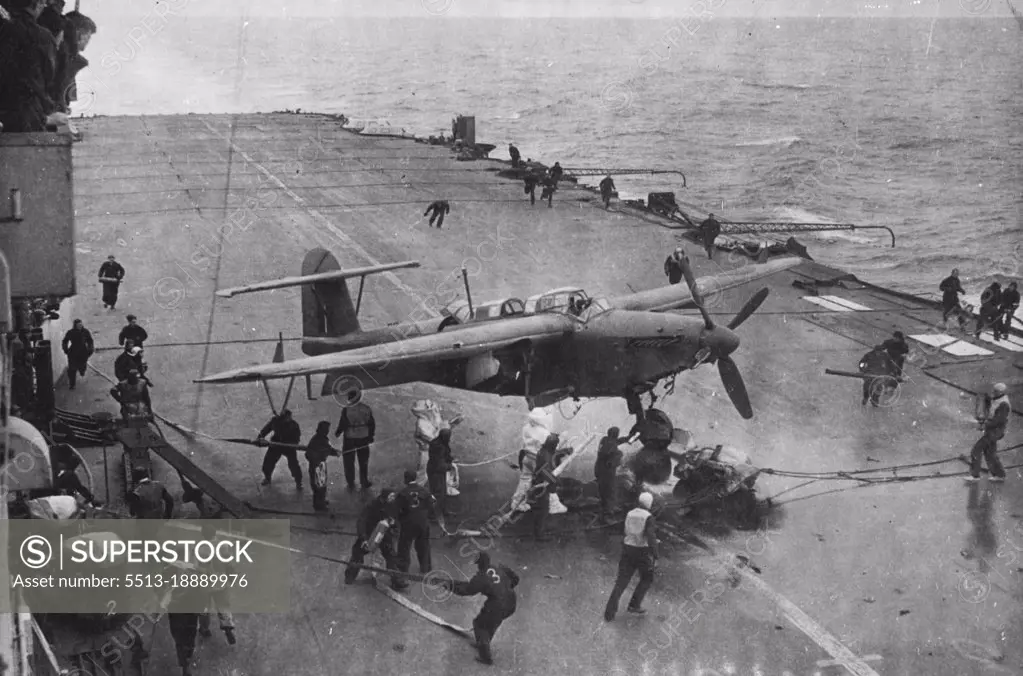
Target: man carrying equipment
(318,450)
(497,583)
(110,275)
(710,229)
(897,349)
(994,430)
(375,528)
(877,363)
(285,430)
(133,396)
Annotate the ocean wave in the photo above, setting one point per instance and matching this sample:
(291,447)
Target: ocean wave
(800,215)
(781,85)
(846,236)
(928,143)
(784,141)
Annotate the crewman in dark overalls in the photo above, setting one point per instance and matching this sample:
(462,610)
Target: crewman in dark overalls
(531,182)
(359,427)
(877,363)
(285,430)
(549,186)
(150,499)
(516,157)
(556,173)
(318,450)
(133,332)
(437,467)
(78,346)
(990,310)
(673,266)
(951,288)
(543,485)
(710,229)
(415,507)
(497,583)
(378,520)
(609,456)
(607,187)
(1007,310)
(439,209)
(897,349)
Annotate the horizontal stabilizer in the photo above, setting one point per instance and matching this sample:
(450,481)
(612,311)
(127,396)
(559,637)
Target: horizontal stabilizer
(312,279)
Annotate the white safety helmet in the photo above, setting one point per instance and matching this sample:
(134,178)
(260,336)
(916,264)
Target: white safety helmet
(646,500)
(999,389)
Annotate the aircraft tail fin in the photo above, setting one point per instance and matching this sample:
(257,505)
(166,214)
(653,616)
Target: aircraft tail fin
(327,307)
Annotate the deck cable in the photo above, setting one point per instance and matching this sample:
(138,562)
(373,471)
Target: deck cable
(812,477)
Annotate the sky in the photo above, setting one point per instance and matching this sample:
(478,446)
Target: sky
(440,9)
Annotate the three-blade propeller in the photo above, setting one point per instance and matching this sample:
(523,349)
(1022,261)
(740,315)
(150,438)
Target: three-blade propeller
(723,342)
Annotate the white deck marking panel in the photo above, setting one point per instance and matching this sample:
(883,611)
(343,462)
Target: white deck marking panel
(827,304)
(845,302)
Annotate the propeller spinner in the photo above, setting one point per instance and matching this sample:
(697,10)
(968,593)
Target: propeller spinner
(722,342)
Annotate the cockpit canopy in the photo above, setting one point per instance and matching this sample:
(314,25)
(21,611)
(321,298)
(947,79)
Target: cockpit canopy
(561,300)
(500,308)
(572,301)
(496,309)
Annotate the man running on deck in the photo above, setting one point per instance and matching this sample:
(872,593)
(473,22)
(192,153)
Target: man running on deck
(439,209)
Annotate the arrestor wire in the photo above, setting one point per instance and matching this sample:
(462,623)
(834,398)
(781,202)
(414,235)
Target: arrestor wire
(812,477)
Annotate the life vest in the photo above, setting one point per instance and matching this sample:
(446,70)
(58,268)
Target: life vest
(359,416)
(635,523)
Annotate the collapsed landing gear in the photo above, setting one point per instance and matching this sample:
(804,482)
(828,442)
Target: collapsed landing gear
(635,403)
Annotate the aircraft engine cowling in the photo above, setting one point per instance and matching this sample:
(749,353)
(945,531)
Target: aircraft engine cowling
(481,368)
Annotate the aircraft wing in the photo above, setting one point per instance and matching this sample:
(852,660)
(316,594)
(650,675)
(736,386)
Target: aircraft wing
(678,296)
(453,343)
